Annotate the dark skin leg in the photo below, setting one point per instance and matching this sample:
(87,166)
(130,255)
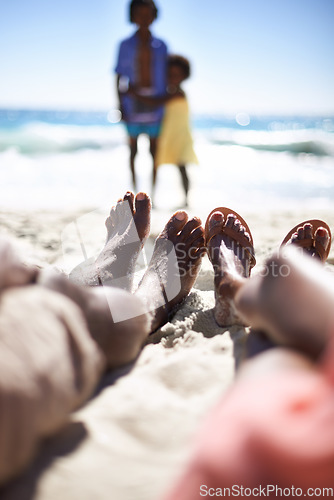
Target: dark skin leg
(173,267)
(153,149)
(231,267)
(133,153)
(133,143)
(185,181)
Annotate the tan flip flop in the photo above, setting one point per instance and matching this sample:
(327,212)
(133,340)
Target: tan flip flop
(238,237)
(310,242)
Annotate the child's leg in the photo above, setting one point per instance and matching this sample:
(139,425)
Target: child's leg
(153,150)
(133,153)
(185,181)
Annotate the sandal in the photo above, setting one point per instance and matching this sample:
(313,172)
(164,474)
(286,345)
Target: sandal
(238,237)
(310,242)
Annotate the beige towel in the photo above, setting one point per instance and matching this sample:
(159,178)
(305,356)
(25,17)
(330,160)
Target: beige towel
(49,365)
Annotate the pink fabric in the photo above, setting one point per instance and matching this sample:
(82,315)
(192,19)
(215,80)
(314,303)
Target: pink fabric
(328,362)
(276,431)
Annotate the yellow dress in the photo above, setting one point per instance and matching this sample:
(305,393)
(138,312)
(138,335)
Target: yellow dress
(175,143)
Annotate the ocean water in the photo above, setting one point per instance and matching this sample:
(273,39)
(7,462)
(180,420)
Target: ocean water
(67,160)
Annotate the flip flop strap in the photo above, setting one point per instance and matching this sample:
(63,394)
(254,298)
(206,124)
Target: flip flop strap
(310,243)
(305,243)
(238,237)
(319,248)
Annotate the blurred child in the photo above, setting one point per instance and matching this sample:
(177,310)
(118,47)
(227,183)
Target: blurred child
(175,144)
(141,63)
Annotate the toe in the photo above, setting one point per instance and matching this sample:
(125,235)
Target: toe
(129,197)
(142,215)
(198,248)
(142,203)
(216,219)
(308,231)
(234,223)
(175,224)
(300,233)
(111,219)
(190,226)
(247,235)
(321,236)
(231,220)
(120,210)
(197,235)
(215,226)
(214,234)
(294,237)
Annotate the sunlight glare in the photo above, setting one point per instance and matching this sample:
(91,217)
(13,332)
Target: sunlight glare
(242,119)
(114,116)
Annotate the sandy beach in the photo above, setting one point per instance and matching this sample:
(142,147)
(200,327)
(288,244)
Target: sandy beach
(261,113)
(58,183)
(261,116)
(131,440)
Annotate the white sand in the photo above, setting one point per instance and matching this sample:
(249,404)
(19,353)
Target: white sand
(133,438)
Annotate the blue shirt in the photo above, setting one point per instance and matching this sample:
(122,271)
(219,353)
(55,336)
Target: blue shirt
(135,111)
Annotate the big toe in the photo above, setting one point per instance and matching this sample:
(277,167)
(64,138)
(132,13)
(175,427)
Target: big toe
(129,197)
(123,208)
(215,224)
(322,242)
(216,219)
(175,224)
(142,214)
(192,239)
(321,235)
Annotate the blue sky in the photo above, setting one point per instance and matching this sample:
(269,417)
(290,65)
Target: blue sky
(253,56)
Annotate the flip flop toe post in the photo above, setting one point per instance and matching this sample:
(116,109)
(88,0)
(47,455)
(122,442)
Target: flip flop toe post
(244,242)
(310,242)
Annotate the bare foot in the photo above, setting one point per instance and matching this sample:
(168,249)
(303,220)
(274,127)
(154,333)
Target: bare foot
(313,240)
(231,263)
(313,237)
(173,268)
(292,300)
(128,227)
